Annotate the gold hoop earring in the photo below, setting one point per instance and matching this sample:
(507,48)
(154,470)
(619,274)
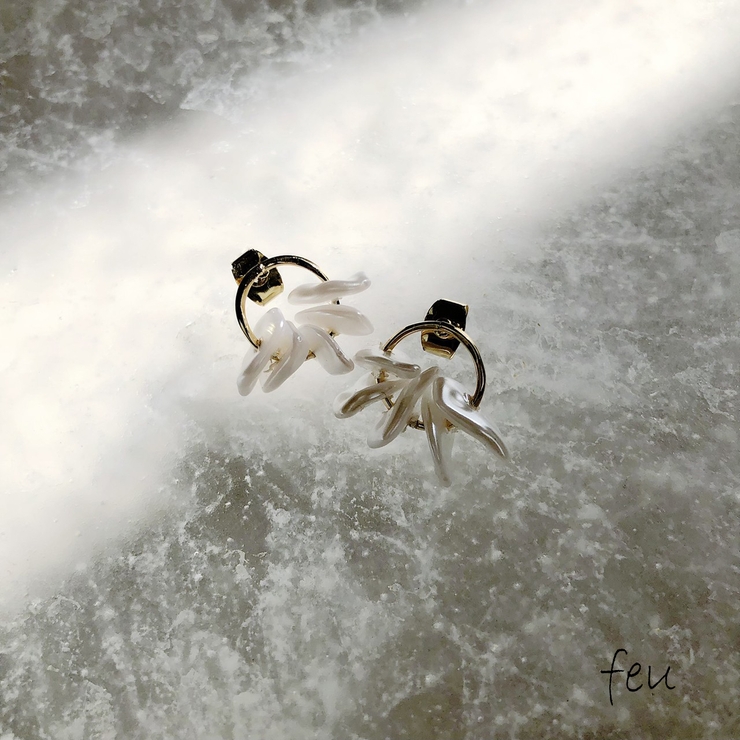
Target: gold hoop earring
(283,346)
(401,385)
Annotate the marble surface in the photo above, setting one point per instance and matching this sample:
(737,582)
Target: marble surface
(178,561)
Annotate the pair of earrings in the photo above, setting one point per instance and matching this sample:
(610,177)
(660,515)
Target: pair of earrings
(401,386)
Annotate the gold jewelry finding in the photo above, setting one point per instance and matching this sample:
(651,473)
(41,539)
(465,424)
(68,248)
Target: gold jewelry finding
(442,332)
(260,281)
(444,405)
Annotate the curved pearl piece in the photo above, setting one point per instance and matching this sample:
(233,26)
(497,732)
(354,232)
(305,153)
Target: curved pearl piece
(330,290)
(451,398)
(272,330)
(376,359)
(349,403)
(327,351)
(292,354)
(440,438)
(395,420)
(269,323)
(335,318)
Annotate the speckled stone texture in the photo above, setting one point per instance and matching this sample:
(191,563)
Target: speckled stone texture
(298,596)
(280,581)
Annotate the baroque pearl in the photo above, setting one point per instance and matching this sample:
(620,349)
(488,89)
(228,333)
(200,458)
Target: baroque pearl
(349,403)
(445,407)
(283,347)
(451,398)
(376,359)
(272,329)
(330,290)
(335,318)
(328,353)
(439,437)
(395,420)
(291,355)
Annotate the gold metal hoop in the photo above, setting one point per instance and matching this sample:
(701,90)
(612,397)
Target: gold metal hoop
(445,330)
(442,332)
(261,282)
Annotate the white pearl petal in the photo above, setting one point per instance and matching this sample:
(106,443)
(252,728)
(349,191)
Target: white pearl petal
(440,438)
(335,318)
(388,362)
(329,290)
(272,328)
(327,351)
(451,398)
(395,420)
(292,355)
(269,323)
(350,402)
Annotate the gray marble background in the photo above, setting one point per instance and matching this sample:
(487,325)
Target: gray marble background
(290,583)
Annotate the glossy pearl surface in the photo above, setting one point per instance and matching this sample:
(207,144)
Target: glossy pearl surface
(336,318)
(285,345)
(444,407)
(329,290)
